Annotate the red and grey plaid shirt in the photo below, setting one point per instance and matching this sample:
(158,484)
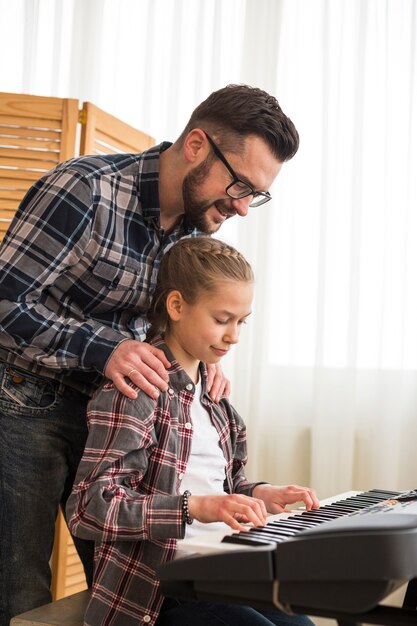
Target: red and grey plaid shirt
(127,493)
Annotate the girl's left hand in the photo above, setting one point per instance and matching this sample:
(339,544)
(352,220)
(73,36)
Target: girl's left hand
(217,384)
(276,498)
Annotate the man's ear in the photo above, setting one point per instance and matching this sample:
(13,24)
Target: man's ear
(174,305)
(196,146)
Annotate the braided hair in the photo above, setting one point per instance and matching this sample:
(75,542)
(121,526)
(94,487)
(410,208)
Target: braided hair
(190,266)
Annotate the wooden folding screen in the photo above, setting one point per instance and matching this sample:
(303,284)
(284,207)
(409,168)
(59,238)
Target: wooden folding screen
(37,133)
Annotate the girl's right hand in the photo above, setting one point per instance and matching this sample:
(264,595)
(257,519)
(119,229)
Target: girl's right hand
(234,510)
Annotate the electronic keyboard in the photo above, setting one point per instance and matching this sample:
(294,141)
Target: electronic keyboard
(345,557)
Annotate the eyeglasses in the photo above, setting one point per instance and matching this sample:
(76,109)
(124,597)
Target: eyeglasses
(237,188)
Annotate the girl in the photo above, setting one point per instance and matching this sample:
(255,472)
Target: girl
(155,471)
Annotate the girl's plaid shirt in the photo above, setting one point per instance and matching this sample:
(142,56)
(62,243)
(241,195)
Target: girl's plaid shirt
(127,494)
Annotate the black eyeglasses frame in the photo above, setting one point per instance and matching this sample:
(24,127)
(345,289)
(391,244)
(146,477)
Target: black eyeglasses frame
(259,197)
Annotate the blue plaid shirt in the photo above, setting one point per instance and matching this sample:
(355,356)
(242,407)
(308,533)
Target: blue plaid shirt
(78,265)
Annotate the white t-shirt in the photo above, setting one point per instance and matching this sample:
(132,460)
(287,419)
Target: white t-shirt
(206,468)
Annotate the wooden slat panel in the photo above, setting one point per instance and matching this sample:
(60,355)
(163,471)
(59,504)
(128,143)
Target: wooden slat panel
(35,143)
(34,133)
(35,107)
(31,123)
(72,558)
(10,204)
(105,148)
(13,184)
(12,194)
(27,164)
(104,141)
(99,148)
(69,127)
(67,570)
(26,177)
(6,214)
(77,578)
(110,130)
(22,153)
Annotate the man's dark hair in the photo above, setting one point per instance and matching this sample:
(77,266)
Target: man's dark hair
(236,111)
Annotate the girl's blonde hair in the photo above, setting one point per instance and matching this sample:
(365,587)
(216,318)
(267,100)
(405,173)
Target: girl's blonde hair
(191,266)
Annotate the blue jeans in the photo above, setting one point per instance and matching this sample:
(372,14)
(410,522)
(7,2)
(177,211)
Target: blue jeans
(42,437)
(180,613)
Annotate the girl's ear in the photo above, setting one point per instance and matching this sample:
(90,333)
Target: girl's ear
(174,305)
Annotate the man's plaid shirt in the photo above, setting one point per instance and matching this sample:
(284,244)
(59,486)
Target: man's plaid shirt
(78,265)
(126,495)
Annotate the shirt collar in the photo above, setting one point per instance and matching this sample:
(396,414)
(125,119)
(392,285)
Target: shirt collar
(178,378)
(149,181)
(149,188)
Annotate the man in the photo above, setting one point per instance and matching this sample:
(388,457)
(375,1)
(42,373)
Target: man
(78,268)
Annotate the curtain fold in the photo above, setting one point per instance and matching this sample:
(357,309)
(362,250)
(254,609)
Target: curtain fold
(326,371)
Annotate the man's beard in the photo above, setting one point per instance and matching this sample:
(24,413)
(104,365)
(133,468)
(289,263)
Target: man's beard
(195,210)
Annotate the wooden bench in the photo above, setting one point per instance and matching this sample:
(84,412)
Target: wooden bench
(68,611)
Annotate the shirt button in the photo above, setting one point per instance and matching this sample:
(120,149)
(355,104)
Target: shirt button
(188,425)
(147,618)
(189,387)
(180,475)
(170,391)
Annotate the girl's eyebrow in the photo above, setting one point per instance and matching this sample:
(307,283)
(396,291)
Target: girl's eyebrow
(225,312)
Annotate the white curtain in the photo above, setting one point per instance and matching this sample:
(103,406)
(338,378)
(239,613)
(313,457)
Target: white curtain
(325,373)
(332,375)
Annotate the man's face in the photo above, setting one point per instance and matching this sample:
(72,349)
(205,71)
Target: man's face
(206,203)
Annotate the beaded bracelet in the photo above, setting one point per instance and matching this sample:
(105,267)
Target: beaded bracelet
(185,512)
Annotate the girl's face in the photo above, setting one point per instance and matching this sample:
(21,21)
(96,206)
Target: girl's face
(206,330)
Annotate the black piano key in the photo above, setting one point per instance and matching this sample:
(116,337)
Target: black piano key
(309,515)
(385,495)
(273,527)
(327,509)
(277,529)
(246,540)
(272,538)
(348,506)
(280,532)
(301,522)
(337,506)
(366,501)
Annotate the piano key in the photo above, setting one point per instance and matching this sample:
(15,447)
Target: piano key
(271,530)
(386,494)
(246,540)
